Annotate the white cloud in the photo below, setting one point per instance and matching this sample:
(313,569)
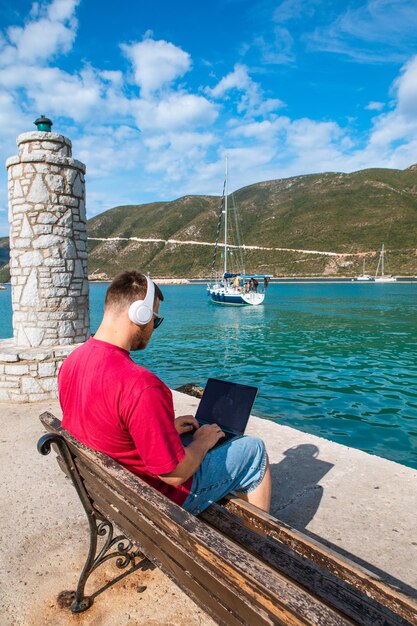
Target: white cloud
(41,38)
(174,112)
(252,99)
(375,106)
(238,79)
(156,64)
(378,31)
(61,10)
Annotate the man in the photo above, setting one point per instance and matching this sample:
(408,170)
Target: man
(111,404)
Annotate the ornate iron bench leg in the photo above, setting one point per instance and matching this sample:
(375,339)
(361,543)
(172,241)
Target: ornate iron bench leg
(118,547)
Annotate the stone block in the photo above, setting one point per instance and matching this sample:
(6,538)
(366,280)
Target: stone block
(26,230)
(61,279)
(17,202)
(47,218)
(9,357)
(55,183)
(43,229)
(69,201)
(18,242)
(16,170)
(49,384)
(65,329)
(30,336)
(54,262)
(32,258)
(38,191)
(78,188)
(17,190)
(17,370)
(30,295)
(38,355)
(68,249)
(31,385)
(46,369)
(47,241)
(66,218)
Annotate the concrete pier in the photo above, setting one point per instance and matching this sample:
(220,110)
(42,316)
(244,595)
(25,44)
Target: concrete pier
(360,505)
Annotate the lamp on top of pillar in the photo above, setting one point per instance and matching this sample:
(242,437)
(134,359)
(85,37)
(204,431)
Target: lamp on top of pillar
(43,124)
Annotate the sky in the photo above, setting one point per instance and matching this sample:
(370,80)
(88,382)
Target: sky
(154,95)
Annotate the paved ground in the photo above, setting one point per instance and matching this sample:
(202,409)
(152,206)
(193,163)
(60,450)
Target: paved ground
(361,505)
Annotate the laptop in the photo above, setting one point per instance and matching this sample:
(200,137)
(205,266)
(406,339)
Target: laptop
(227,404)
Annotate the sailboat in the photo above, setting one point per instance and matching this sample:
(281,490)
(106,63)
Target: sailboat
(363,276)
(233,286)
(383,278)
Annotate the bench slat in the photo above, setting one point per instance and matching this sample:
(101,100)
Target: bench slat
(358,577)
(339,593)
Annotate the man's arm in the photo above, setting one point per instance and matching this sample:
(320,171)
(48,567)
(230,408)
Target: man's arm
(204,439)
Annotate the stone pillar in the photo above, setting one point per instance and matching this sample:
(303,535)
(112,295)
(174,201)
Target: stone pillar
(48,265)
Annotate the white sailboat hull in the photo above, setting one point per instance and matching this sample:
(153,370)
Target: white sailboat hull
(364,278)
(234,297)
(385,279)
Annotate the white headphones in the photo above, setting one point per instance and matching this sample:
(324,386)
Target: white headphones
(141,311)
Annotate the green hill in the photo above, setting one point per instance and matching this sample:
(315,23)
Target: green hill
(347,214)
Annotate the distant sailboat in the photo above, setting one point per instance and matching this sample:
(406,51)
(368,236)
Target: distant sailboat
(363,277)
(234,286)
(383,278)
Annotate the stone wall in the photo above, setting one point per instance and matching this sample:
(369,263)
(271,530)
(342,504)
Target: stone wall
(29,375)
(48,242)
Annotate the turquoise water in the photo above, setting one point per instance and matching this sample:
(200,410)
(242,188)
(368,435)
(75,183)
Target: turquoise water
(335,360)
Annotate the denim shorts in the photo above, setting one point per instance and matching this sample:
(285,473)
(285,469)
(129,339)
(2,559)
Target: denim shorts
(238,465)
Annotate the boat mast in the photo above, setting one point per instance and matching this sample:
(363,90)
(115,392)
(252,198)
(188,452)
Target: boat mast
(382,260)
(225,222)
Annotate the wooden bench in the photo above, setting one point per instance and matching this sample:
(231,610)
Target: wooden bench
(238,564)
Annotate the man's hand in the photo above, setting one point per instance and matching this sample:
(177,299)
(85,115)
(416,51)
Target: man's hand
(185,423)
(208,435)
(204,439)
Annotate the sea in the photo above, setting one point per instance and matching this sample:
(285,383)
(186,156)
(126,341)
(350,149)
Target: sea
(337,360)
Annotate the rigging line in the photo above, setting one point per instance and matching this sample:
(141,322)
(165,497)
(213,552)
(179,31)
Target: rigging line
(219,224)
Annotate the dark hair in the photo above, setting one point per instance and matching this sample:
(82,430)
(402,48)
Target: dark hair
(126,288)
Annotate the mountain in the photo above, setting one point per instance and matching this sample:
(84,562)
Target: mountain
(349,215)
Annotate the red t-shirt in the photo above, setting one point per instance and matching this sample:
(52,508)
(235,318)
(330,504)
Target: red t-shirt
(113,405)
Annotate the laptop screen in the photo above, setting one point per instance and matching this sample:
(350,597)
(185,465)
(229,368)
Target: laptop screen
(227,404)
